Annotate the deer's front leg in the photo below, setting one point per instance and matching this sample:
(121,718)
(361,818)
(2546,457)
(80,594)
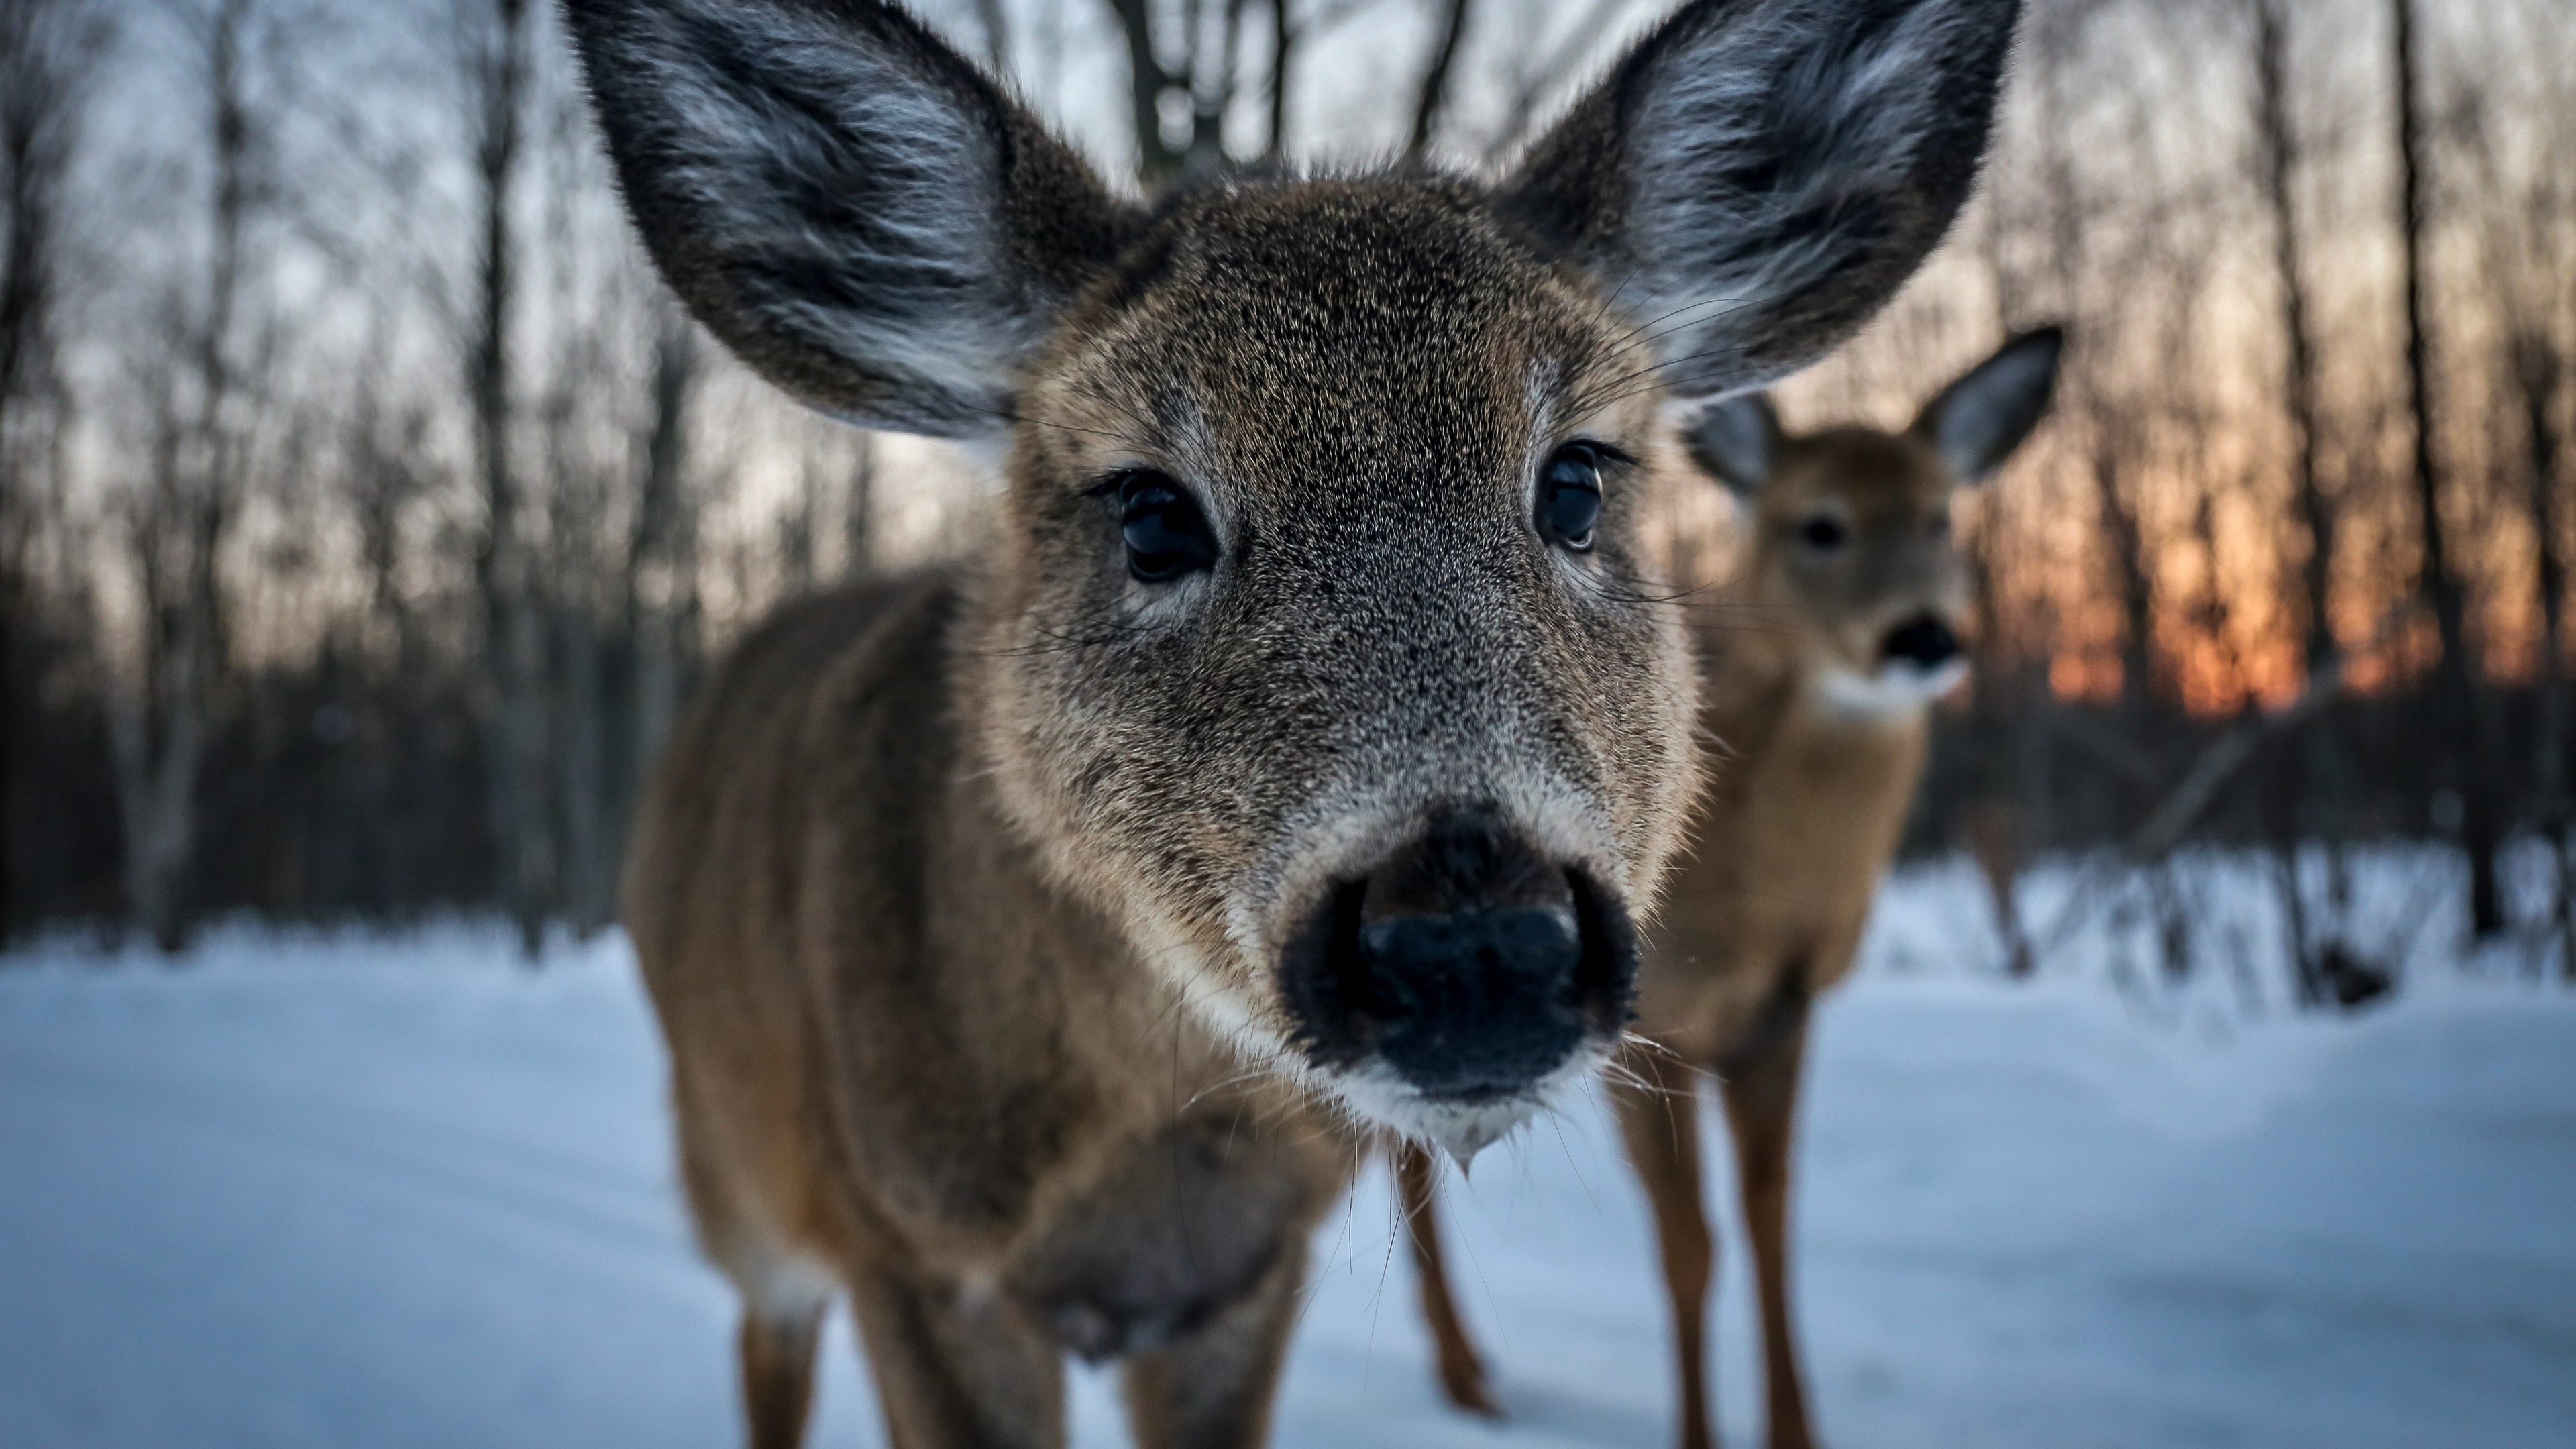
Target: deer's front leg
(958,1369)
(1659,1117)
(1212,1389)
(1761,1095)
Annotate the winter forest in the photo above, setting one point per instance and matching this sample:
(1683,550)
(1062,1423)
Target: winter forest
(369,510)
(370,515)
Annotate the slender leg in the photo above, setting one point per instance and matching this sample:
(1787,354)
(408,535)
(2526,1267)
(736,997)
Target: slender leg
(957,1371)
(1213,1389)
(783,1298)
(1660,1121)
(1761,1092)
(777,1355)
(1462,1369)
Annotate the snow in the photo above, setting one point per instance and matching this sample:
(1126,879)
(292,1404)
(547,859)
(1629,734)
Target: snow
(340,1190)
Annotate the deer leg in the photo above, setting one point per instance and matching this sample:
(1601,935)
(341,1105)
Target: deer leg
(776,1350)
(957,1369)
(1659,1117)
(1761,1094)
(784,1294)
(1462,1369)
(1213,1389)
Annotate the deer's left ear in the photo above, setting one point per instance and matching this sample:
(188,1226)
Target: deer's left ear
(1760,176)
(860,213)
(1977,421)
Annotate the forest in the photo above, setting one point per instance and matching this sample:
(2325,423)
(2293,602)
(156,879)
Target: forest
(367,511)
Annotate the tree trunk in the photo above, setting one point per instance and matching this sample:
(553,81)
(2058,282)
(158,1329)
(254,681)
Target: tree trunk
(2448,702)
(1433,93)
(2299,391)
(513,633)
(590,799)
(2538,369)
(1283,50)
(661,566)
(2306,762)
(858,508)
(1147,80)
(162,725)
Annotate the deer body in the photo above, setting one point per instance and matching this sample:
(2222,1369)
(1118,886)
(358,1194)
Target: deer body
(1794,828)
(1081,1169)
(1038,941)
(1819,665)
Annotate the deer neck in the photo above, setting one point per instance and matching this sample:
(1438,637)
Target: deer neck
(1771,696)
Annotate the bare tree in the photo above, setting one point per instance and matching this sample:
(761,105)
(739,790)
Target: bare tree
(1193,53)
(1150,78)
(2301,759)
(858,509)
(493,44)
(201,464)
(2537,363)
(661,605)
(1433,92)
(49,55)
(2449,700)
(2526,228)
(2277,147)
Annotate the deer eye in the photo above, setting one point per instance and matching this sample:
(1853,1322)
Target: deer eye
(1165,533)
(1569,495)
(1823,532)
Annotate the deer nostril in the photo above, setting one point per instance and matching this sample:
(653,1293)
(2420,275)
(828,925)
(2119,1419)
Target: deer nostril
(1924,641)
(1466,962)
(1476,1003)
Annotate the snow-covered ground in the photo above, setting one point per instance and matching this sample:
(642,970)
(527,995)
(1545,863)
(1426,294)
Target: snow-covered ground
(352,1192)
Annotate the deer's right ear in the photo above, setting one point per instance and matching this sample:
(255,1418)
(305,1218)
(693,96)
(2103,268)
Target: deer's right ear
(1738,442)
(1760,176)
(853,207)
(1977,421)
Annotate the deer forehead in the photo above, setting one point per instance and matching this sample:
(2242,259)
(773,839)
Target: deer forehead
(1876,479)
(1286,334)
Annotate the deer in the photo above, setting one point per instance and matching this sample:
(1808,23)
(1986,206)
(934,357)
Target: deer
(1821,661)
(1040,940)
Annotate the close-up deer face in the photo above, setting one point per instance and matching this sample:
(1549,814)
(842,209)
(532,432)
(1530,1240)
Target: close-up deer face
(1326,660)
(1311,644)
(1848,529)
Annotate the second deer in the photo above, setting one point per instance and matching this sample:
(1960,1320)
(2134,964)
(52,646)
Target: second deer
(1819,668)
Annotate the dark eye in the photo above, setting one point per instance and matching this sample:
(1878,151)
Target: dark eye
(1824,533)
(1166,535)
(1569,495)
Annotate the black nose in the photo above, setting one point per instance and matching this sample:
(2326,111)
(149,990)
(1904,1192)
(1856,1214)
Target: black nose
(1466,961)
(1923,640)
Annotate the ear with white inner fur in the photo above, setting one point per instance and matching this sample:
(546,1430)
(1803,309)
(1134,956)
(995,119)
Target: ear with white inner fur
(1738,441)
(1977,421)
(1759,176)
(849,204)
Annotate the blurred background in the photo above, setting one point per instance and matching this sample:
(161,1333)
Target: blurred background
(367,511)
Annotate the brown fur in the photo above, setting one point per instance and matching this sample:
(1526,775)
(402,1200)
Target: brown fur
(976,905)
(1806,798)
(884,823)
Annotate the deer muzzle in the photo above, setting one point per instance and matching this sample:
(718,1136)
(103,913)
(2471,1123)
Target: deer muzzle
(1465,961)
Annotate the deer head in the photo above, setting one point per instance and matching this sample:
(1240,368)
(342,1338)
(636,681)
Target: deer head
(1310,643)
(1850,527)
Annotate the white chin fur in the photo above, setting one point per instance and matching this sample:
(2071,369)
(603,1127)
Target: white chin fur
(1377,1094)
(1899,688)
